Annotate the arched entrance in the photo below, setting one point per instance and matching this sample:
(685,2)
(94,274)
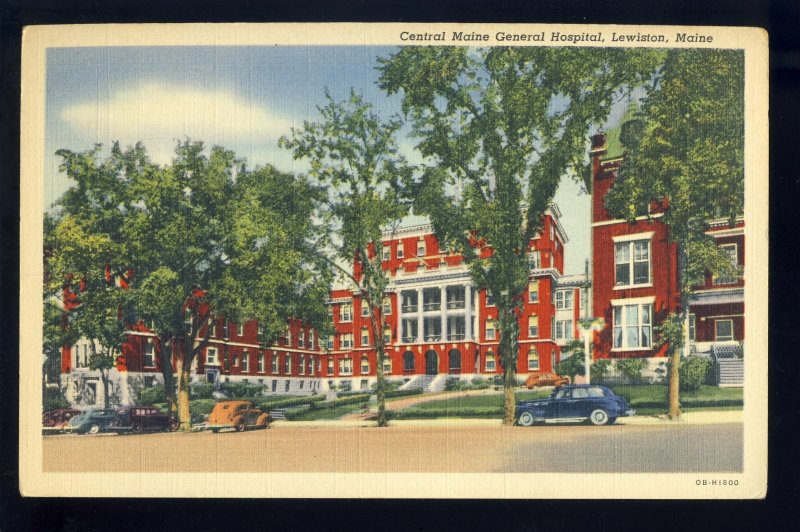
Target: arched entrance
(431,363)
(454,360)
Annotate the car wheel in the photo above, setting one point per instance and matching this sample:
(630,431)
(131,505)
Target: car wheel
(94,429)
(525,419)
(136,428)
(240,426)
(214,430)
(173,425)
(598,417)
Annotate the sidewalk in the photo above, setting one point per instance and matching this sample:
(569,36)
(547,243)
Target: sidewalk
(691,418)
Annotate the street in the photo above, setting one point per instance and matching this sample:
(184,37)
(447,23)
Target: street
(409,448)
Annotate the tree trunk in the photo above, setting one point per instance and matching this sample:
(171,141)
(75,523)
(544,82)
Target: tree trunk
(674,384)
(184,414)
(380,389)
(508,356)
(104,378)
(169,378)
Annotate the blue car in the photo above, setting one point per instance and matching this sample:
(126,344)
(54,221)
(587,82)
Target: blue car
(574,403)
(91,421)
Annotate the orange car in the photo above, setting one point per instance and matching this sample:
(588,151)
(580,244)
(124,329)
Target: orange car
(239,415)
(545,379)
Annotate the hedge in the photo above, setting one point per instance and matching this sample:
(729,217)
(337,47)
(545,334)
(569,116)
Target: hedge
(289,402)
(402,393)
(414,413)
(362,398)
(53,400)
(689,403)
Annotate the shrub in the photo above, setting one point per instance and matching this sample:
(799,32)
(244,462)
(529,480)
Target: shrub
(694,372)
(201,390)
(455,384)
(461,411)
(54,400)
(479,383)
(402,393)
(571,366)
(242,389)
(600,369)
(289,402)
(631,368)
(151,396)
(352,399)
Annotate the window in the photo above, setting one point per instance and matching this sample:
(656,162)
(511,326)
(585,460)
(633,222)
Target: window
(731,251)
(364,309)
(240,329)
(408,362)
(346,312)
(286,385)
(149,354)
(235,360)
(533,360)
(260,363)
(692,327)
(455,297)
(214,330)
(431,299)
(301,339)
(364,336)
(364,365)
(632,262)
(456,328)
(329,342)
(287,363)
(632,326)
(400,250)
(533,292)
(594,391)
(552,233)
(564,299)
(211,356)
(490,364)
(490,330)
(432,329)
(387,365)
(489,299)
(387,335)
(346,341)
(723,330)
(288,337)
(564,330)
(274,365)
(330,366)
(421,247)
(260,331)
(410,332)
(302,365)
(386,252)
(533,326)
(346,366)
(534,260)
(311,339)
(387,306)
(225,329)
(226,361)
(409,301)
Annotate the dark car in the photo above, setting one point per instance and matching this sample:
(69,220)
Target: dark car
(574,403)
(56,420)
(92,421)
(139,419)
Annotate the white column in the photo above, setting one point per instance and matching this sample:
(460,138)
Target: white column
(399,294)
(420,329)
(468,312)
(443,311)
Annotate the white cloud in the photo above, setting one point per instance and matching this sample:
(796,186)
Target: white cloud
(159,114)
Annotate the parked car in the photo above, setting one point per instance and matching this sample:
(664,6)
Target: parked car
(139,419)
(545,378)
(574,403)
(56,420)
(239,415)
(92,421)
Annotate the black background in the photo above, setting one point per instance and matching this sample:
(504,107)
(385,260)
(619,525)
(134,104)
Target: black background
(780,18)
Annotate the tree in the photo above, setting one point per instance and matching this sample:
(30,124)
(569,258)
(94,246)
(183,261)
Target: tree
(685,149)
(198,239)
(498,128)
(355,153)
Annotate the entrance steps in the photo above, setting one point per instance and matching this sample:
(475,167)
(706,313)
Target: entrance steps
(419,381)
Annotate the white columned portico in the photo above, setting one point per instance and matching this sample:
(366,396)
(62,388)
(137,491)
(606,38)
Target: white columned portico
(443,311)
(420,321)
(468,312)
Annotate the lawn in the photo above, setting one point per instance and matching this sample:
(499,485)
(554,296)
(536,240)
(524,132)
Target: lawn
(478,401)
(655,396)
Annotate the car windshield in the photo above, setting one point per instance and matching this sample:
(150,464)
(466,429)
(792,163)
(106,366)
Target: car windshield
(580,393)
(561,393)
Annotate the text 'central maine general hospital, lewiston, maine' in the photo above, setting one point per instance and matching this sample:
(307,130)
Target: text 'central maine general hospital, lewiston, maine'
(438,325)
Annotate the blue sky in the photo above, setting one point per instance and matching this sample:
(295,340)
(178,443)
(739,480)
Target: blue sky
(243,98)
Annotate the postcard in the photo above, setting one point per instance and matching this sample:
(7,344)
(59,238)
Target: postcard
(394,260)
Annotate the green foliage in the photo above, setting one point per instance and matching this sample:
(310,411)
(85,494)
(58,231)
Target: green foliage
(151,396)
(495,148)
(53,400)
(286,402)
(694,372)
(353,399)
(631,368)
(573,364)
(242,390)
(456,384)
(599,369)
(479,383)
(652,398)
(202,390)
(463,412)
(403,393)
